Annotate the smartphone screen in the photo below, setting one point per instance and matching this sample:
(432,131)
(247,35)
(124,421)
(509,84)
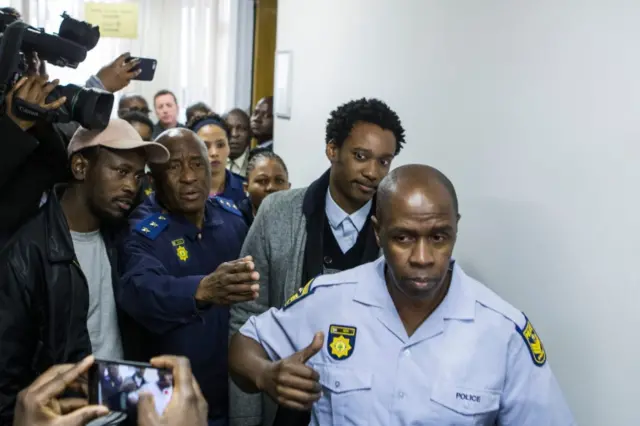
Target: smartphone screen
(118,385)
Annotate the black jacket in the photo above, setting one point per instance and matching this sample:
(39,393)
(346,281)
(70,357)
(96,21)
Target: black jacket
(30,164)
(44,302)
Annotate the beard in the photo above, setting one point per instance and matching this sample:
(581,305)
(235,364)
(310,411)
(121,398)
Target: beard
(107,219)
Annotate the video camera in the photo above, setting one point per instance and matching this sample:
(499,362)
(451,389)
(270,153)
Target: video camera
(89,107)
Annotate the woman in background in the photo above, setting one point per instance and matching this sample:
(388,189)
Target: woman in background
(213,130)
(266,174)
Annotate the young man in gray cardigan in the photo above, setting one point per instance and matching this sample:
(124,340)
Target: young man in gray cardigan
(324,228)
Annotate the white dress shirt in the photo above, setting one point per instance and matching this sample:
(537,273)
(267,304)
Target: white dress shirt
(345,227)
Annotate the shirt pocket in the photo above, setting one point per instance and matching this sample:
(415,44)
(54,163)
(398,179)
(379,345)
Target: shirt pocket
(464,405)
(346,396)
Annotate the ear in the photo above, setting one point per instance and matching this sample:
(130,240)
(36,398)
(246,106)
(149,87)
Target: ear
(288,185)
(245,186)
(79,167)
(376,229)
(332,151)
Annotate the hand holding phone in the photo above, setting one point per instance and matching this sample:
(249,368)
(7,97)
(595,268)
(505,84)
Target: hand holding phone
(40,405)
(145,68)
(187,405)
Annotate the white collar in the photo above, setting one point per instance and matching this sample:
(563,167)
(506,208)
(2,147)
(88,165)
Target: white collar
(335,214)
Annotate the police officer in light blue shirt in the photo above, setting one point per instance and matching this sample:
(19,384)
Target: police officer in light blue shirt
(407,339)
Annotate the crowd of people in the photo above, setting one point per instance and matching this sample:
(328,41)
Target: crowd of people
(160,241)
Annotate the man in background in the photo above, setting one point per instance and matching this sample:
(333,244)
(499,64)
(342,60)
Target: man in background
(133,103)
(199,109)
(165,104)
(240,142)
(141,122)
(324,228)
(262,123)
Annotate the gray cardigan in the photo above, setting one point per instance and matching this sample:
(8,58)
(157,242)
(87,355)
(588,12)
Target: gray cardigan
(276,240)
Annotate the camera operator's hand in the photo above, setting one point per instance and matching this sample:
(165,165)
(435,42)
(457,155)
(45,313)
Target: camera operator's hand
(232,282)
(117,75)
(34,90)
(38,405)
(187,405)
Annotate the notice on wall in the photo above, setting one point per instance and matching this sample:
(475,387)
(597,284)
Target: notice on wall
(116,20)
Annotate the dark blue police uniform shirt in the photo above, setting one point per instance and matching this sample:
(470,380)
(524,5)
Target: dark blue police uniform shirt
(164,258)
(233,189)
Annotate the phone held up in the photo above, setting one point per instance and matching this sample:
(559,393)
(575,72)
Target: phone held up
(147,67)
(118,384)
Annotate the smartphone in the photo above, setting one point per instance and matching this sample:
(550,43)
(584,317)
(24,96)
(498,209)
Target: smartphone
(147,67)
(118,384)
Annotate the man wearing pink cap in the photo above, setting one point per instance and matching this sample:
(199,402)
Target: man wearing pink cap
(57,271)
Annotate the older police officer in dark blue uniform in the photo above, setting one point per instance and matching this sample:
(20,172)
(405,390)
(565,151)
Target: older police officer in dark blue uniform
(180,267)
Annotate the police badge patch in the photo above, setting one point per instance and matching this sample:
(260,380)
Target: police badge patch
(533,342)
(341,341)
(181,250)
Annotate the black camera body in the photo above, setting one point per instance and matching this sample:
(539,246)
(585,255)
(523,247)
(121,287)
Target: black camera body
(91,108)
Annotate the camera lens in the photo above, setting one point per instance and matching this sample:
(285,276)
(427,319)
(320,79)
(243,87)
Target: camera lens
(89,107)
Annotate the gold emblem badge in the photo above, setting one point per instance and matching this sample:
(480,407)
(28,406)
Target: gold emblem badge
(341,341)
(148,191)
(534,344)
(182,253)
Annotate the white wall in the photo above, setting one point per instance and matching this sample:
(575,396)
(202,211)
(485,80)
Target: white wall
(533,110)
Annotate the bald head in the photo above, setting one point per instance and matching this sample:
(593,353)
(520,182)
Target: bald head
(403,182)
(179,142)
(181,136)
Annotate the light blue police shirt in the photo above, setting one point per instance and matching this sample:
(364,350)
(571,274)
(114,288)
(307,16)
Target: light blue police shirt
(475,361)
(344,226)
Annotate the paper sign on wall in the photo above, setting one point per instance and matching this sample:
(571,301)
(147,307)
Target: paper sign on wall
(116,20)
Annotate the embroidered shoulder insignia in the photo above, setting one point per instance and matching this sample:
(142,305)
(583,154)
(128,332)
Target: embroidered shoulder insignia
(533,342)
(341,341)
(152,226)
(228,205)
(302,292)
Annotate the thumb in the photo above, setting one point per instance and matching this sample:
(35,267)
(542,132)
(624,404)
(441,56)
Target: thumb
(85,415)
(313,348)
(147,414)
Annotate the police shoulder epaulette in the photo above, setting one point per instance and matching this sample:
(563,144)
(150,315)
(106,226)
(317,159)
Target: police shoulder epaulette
(303,292)
(152,225)
(327,280)
(228,205)
(532,342)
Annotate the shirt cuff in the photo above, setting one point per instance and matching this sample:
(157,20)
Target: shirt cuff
(95,83)
(186,294)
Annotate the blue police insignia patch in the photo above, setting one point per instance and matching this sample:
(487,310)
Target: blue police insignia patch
(341,341)
(152,226)
(228,205)
(533,342)
(302,292)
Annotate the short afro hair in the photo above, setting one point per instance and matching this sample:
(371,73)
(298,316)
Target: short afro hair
(372,111)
